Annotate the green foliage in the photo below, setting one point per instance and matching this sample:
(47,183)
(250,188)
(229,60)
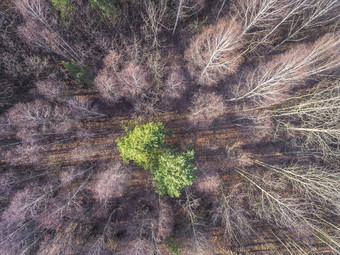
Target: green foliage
(175,171)
(64,7)
(145,145)
(108,7)
(141,144)
(82,75)
(173,249)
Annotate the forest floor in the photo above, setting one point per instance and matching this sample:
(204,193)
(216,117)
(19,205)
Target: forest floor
(219,146)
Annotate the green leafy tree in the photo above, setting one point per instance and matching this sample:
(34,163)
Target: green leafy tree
(145,145)
(142,144)
(175,171)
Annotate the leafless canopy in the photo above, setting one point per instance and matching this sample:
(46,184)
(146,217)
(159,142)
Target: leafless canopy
(215,53)
(316,184)
(175,85)
(38,30)
(33,9)
(230,214)
(206,108)
(37,113)
(314,121)
(263,20)
(154,17)
(187,8)
(51,89)
(272,199)
(110,183)
(271,82)
(115,83)
(209,181)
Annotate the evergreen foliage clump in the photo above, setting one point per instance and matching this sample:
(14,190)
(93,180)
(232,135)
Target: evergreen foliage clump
(82,75)
(145,145)
(107,7)
(64,7)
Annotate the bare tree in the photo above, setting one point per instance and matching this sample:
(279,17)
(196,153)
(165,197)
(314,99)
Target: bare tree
(83,153)
(139,247)
(68,201)
(110,182)
(33,9)
(308,15)
(271,82)
(259,122)
(287,210)
(51,89)
(313,122)
(317,184)
(199,243)
(209,181)
(273,207)
(264,19)
(38,204)
(215,53)
(157,65)
(37,113)
(165,221)
(85,134)
(37,124)
(26,204)
(154,17)
(39,36)
(106,81)
(261,19)
(147,105)
(100,246)
(66,241)
(150,227)
(7,182)
(38,32)
(206,108)
(221,8)
(19,239)
(115,83)
(6,94)
(73,174)
(112,61)
(240,156)
(230,214)
(27,152)
(6,129)
(258,13)
(175,85)
(132,80)
(187,8)
(143,235)
(82,107)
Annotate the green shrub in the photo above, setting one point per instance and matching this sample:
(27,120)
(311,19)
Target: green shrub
(64,7)
(108,7)
(145,145)
(173,248)
(82,75)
